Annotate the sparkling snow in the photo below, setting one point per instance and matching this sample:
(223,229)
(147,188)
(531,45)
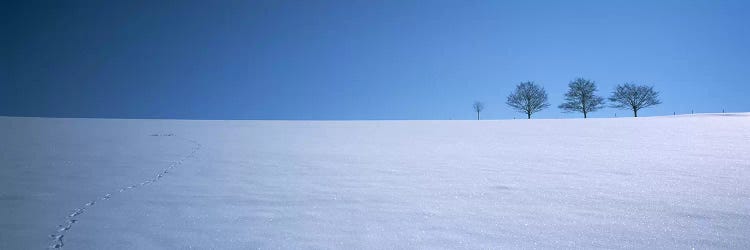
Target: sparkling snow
(649,182)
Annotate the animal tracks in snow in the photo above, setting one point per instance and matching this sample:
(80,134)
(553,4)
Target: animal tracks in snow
(57,238)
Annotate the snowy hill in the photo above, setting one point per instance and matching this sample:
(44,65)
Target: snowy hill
(673,182)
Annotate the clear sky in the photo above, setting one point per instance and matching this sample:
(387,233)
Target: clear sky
(362,59)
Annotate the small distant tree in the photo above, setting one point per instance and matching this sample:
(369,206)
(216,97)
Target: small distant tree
(528,98)
(581,97)
(478,107)
(634,97)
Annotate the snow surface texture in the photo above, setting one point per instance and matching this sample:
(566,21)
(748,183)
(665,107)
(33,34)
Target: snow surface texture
(656,182)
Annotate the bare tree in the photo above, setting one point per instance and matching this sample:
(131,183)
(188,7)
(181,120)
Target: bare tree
(634,97)
(478,107)
(528,98)
(581,97)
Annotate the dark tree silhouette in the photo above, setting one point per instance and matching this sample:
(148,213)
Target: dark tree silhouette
(634,97)
(528,98)
(581,97)
(478,107)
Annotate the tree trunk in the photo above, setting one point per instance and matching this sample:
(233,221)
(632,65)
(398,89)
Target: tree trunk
(528,115)
(635,113)
(584,115)
(477,115)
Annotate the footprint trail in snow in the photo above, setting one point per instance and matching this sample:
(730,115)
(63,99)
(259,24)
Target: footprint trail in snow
(57,237)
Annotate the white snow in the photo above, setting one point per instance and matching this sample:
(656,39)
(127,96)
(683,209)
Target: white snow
(673,182)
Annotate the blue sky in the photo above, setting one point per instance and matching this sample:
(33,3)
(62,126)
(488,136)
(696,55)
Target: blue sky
(363,59)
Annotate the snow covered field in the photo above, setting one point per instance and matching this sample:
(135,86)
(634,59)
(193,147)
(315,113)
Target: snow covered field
(672,182)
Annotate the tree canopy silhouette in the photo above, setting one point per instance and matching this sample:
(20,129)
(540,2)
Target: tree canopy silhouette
(634,97)
(581,97)
(528,98)
(478,107)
